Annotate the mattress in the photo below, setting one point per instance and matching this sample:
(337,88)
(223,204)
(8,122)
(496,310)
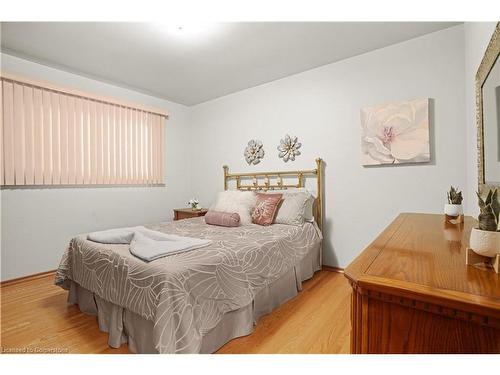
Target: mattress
(189,296)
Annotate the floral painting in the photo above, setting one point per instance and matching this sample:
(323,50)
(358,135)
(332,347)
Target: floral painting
(396,133)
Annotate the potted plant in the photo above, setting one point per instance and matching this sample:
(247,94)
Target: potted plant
(194,204)
(485,240)
(454,206)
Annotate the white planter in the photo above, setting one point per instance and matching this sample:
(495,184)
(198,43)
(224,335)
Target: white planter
(453,209)
(485,243)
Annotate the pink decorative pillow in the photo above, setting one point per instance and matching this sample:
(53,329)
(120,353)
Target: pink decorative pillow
(265,208)
(224,219)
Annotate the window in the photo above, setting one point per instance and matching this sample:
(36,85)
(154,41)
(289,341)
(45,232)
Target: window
(55,136)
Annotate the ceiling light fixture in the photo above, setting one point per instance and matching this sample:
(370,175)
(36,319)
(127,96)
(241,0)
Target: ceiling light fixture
(187,30)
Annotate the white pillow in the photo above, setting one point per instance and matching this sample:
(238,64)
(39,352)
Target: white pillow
(292,210)
(309,209)
(308,213)
(235,201)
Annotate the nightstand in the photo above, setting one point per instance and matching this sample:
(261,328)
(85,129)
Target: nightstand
(187,213)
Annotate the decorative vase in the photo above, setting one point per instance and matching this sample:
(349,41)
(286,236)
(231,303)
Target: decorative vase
(485,243)
(195,208)
(453,209)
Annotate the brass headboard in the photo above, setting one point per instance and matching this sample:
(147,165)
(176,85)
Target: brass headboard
(274,180)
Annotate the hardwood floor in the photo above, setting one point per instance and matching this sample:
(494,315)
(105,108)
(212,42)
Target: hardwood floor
(35,315)
(316,321)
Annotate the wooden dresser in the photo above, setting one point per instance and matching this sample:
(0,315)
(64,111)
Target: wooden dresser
(413,293)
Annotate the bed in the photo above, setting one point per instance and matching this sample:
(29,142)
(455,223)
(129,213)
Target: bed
(196,301)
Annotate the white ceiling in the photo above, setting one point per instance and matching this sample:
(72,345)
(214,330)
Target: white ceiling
(202,62)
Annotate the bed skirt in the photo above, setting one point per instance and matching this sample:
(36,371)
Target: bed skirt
(124,326)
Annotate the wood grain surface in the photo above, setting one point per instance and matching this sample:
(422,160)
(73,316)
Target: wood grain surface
(35,317)
(413,292)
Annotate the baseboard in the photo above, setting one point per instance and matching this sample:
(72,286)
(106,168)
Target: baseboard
(333,269)
(27,278)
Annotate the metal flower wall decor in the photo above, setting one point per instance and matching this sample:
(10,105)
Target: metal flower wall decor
(254,152)
(289,148)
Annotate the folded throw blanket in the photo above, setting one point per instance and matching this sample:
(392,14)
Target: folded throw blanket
(148,244)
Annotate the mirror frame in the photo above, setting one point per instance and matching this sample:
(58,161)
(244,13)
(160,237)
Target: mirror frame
(489,59)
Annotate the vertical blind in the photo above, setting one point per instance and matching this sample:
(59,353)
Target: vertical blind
(56,137)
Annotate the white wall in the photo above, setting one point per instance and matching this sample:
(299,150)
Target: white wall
(477,37)
(38,223)
(322,107)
